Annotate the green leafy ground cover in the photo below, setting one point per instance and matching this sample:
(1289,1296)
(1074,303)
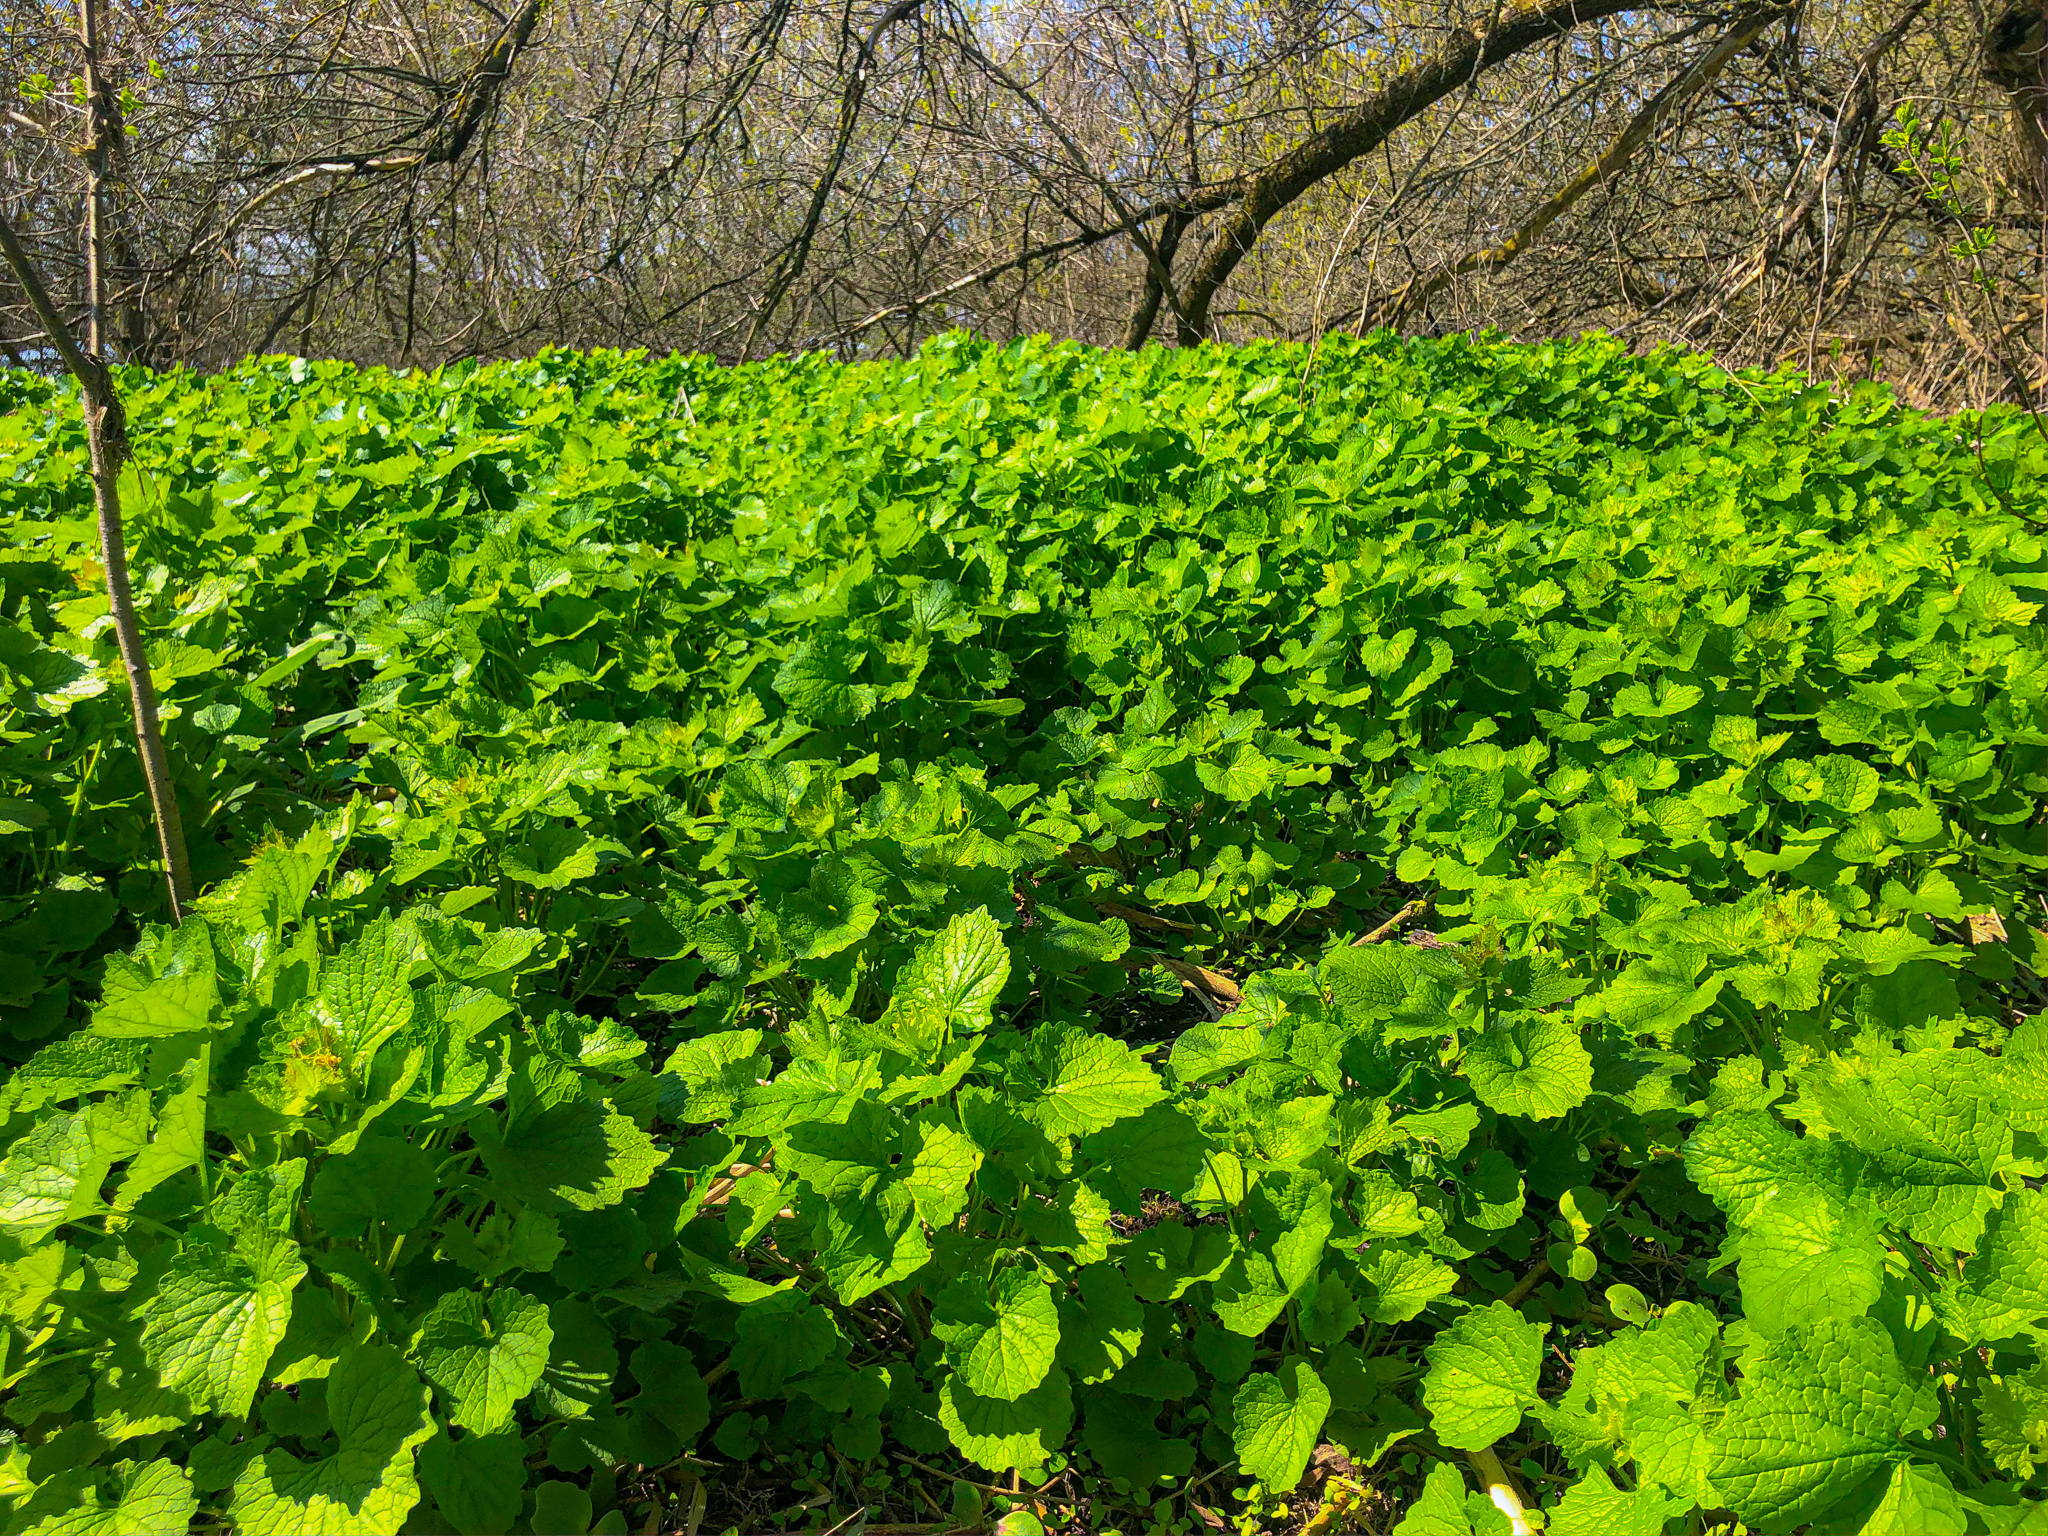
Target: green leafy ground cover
(684,1027)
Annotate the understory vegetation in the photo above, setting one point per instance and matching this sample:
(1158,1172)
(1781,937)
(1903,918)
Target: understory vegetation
(1435,936)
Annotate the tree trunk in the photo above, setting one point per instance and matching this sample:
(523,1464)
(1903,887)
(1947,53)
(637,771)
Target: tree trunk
(1139,330)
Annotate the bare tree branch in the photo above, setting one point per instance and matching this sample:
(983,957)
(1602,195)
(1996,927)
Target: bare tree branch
(1364,128)
(1609,164)
(790,265)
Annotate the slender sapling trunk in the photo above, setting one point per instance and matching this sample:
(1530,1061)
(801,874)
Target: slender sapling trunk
(106,436)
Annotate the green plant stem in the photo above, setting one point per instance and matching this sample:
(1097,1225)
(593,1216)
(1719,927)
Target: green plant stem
(85,776)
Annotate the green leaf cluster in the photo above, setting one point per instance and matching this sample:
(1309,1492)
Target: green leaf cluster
(822,929)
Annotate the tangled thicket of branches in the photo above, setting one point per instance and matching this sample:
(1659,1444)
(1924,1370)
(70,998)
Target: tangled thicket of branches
(1857,187)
